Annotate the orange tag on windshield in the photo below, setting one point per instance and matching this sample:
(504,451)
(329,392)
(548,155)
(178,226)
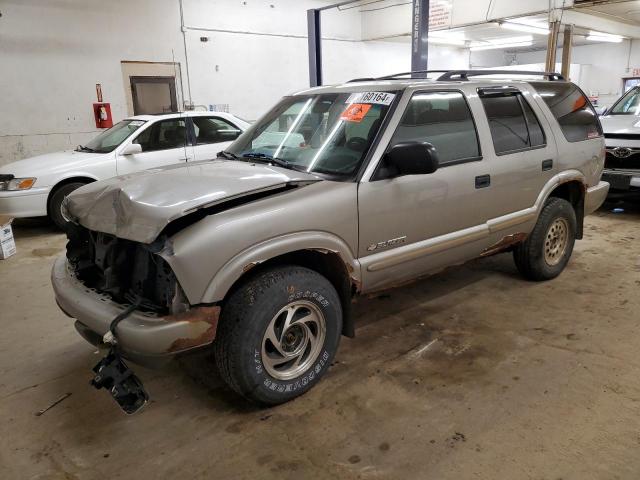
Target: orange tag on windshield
(355,112)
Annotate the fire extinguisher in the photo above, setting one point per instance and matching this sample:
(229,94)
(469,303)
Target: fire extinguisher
(103,113)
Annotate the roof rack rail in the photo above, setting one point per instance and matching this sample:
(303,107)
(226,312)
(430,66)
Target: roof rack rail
(457,75)
(465,74)
(363,79)
(404,74)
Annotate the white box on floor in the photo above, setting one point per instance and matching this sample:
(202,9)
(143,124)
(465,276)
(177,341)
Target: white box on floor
(7,243)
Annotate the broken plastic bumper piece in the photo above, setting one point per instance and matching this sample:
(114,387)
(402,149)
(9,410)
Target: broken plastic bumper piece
(112,374)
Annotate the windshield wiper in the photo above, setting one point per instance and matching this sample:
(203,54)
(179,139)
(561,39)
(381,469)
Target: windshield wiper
(261,157)
(84,149)
(227,155)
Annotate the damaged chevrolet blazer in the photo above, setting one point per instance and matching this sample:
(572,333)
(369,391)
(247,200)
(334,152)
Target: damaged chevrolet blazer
(335,192)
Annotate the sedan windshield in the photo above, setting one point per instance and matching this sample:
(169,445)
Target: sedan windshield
(629,104)
(108,140)
(328,133)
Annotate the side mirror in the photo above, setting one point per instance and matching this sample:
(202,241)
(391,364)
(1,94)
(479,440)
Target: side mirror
(411,158)
(131,149)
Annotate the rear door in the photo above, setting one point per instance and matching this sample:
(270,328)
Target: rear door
(163,143)
(211,135)
(523,145)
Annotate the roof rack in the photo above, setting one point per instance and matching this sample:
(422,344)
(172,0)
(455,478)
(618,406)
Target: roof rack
(404,74)
(463,75)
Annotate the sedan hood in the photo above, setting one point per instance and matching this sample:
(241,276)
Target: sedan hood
(620,124)
(138,206)
(50,163)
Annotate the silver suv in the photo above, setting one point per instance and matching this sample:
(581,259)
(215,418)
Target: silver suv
(335,192)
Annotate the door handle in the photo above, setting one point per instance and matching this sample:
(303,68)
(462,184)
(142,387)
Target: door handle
(483,181)
(547,164)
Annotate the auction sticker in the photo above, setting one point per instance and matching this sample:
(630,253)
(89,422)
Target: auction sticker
(355,112)
(380,98)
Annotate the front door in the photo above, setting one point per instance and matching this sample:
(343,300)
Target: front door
(212,134)
(163,143)
(414,224)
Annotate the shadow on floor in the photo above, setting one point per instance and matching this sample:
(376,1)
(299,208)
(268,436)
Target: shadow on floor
(33,227)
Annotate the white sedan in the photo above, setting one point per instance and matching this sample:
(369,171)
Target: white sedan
(36,186)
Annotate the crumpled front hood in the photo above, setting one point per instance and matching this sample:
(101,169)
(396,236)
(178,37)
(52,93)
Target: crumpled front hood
(138,206)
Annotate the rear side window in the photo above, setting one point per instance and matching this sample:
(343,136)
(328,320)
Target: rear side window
(572,109)
(514,127)
(444,120)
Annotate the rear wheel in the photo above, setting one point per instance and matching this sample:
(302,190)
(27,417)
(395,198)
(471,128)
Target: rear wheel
(55,203)
(278,334)
(545,253)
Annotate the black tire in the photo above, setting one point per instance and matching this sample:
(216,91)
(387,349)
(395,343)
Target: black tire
(247,314)
(530,257)
(55,202)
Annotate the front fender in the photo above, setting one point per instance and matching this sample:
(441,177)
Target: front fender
(231,271)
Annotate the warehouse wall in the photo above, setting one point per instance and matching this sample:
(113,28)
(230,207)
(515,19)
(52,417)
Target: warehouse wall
(54,52)
(602,66)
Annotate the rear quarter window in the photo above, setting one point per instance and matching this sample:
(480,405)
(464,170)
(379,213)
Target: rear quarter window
(571,108)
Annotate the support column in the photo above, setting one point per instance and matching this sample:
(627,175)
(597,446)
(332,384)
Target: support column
(567,46)
(552,45)
(419,37)
(314,42)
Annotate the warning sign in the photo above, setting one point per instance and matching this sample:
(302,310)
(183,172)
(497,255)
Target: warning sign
(440,13)
(355,112)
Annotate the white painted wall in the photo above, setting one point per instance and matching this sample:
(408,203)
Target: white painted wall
(54,52)
(602,66)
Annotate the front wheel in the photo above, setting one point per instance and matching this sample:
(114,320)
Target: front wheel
(278,334)
(546,251)
(54,208)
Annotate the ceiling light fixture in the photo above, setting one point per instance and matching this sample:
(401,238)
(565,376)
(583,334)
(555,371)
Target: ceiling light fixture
(604,37)
(506,42)
(457,42)
(503,46)
(518,27)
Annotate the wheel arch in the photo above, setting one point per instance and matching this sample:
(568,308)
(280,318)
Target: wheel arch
(573,192)
(66,181)
(326,255)
(570,186)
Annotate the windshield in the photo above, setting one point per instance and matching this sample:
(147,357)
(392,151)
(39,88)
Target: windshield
(328,133)
(108,140)
(629,104)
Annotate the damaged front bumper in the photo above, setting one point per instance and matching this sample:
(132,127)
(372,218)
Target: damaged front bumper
(143,337)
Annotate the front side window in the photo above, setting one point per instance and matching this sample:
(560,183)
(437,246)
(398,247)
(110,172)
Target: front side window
(577,118)
(163,135)
(214,130)
(108,140)
(514,127)
(327,133)
(442,119)
(629,104)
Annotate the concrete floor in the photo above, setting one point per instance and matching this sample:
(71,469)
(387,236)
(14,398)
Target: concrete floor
(520,381)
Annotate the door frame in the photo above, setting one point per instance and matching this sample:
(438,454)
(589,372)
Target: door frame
(153,79)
